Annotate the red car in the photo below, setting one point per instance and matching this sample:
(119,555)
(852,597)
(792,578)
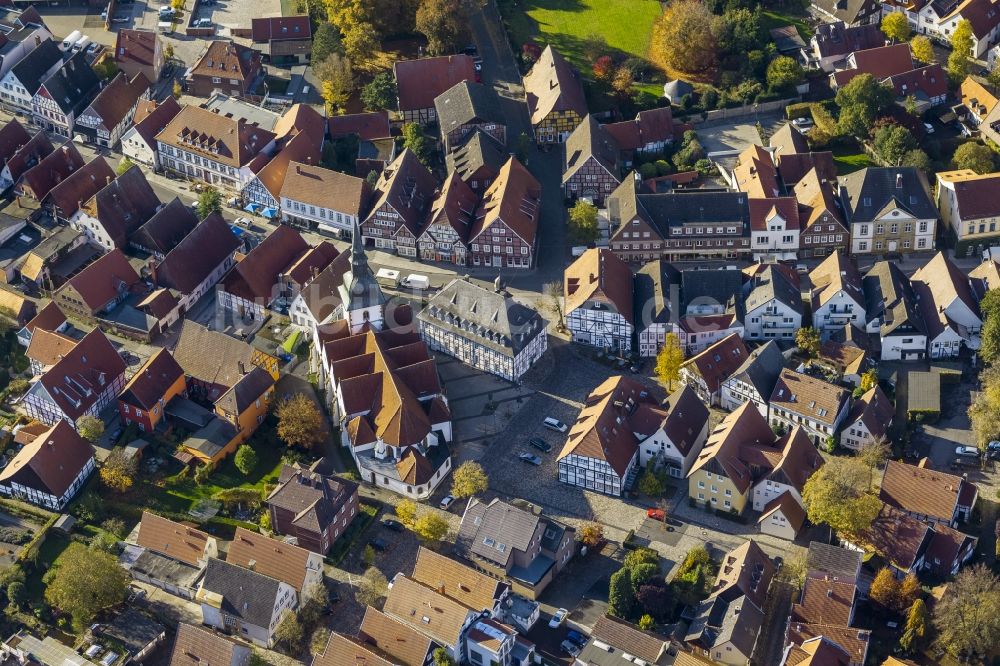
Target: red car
(656,514)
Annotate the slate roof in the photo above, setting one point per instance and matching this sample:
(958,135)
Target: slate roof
(80,186)
(419,81)
(871,192)
(494,318)
(30,70)
(72,85)
(485,527)
(889,295)
(465,103)
(823,558)
(845,10)
(773,284)
(761,368)
(151,381)
(685,415)
(168,227)
(666,210)
(653,284)
(51,462)
(408,186)
(721,287)
(314,498)
(478,151)
(246,594)
(591,140)
(124,205)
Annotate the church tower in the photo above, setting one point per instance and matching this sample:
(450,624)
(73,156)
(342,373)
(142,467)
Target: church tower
(364,302)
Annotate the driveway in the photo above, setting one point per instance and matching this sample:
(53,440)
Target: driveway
(736,135)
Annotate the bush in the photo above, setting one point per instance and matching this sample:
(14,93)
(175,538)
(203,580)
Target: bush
(710,99)
(662,167)
(647,170)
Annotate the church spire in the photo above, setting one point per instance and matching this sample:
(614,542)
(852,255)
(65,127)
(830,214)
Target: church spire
(359,260)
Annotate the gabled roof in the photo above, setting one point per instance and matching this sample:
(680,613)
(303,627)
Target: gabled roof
(124,205)
(755,173)
(56,167)
(29,154)
(419,81)
(166,229)
(982,15)
(872,192)
(923,83)
(880,62)
(627,638)
(590,140)
(280,28)
(317,186)
(835,274)
(553,85)
(741,437)
(81,185)
(152,117)
(889,294)
(151,381)
(457,581)
(465,103)
(599,274)
(922,490)
(455,207)
(342,649)
(174,540)
(975,96)
(685,416)
(270,557)
(846,10)
(771,284)
(72,85)
(974,193)
(313,498)
(875,410)
(31,70)
(789,507)
(48,347)
(138,46)
(117,98)
(746,570)
(814,398)
(247,595)
(718,361)
(818,651)
(479,151)
(48,318)
(793,167)
(788,140)
(255,277)
(12,136)
(211,356)
(394,638)
(947,283)
(420,607)
(408,186)
(230,141)
(51,462)
(761,368)
(246,391)
(823,559)
(604,429)
(366,126)
(300,149)
(197,646)
(494,531)
(648,127)
(512,199)
(228,59)
(104,280)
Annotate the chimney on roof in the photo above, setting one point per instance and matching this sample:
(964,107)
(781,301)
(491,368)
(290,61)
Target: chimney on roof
(252,565)
(72,65)
(242,367)
(899,181)
(107,180)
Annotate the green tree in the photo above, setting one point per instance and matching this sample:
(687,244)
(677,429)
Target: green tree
(337,77)
(368,555)
(910,106)
(971,155)
(440,21)
(318,641)
(246,459)
(300,422)
(873,455)
(807,340)
(641,556)
(177,90)
(326,41)
(784,73)
(994,78)
(469,479)
(209,201)
(860,101)
(84,582)
(669,360)
(989,349)
(380,93)
(917,159)
(650,485)
(430,527)
(896,27)
(118,470)
(621,596)
(682,38)
(371,587)
(646,622)
(892,142)
(642,573)
(168,52)
(90,428)
(442,658)
(922,49)
(406,511)
(984,412)
(961,47)
(583,222)
(835,495)
(124,166)
(289,632)
(523,145)
(416,141)
(917,620)
(17,594)
(967,618)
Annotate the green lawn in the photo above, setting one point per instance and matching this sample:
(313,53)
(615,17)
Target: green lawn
(849,160)
(55,544)
(625,25)
(771,19)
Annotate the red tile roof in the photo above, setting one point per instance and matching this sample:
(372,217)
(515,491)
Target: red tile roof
(51,462)
(280,28)
(419,81)
(931,81)
(880,62)
(512,199)
(717,362)
(12,136)
(601,275)
(152,117)
(149,384)
(762,210)
(117,98)
(103,281)
(77,381)
(81,185)
(51,171)
(137,46)
(255,276)
(367,126)
(647,127)
(921,490)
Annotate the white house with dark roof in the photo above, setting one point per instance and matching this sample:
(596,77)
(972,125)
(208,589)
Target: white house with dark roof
(893,313)
(245,602)
(869,419)
(837,296)
(888,210)
(810,403)
(679,435)
(484,328)
(773,304)
(952,298)
(754,380)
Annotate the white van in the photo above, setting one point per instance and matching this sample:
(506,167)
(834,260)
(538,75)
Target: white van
(415,281)
(71,39)
(82,44)
(165,27)
(554,424)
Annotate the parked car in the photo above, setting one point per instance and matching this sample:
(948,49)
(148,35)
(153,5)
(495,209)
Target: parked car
(569,648)
(967,451)
(993,446)
(554,424)
(540,444)
(379,545)
(656,514)
(558,617)
(393,525)
(576,637)
(446,502)
(529,458)
(929,128)
(803,122)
